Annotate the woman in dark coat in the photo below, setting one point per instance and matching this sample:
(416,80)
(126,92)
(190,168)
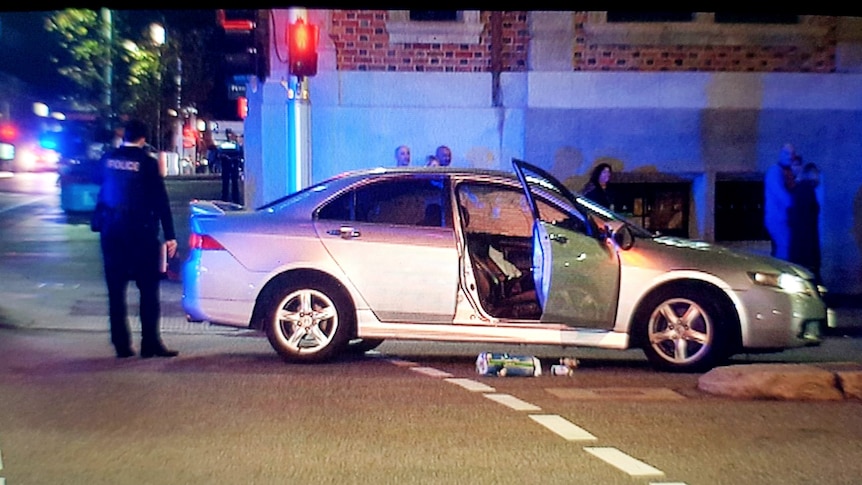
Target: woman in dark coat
(803,214)
(596,189)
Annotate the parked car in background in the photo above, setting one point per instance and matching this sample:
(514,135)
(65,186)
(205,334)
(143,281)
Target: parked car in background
(471,255)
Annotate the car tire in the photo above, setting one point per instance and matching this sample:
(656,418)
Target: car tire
(309,322)
(362,345)
(682,331)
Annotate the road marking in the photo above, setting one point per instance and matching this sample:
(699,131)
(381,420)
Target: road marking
(512,402)
(430,371)
(402,363)
(471,385)
(21,204)
(624,462)
(608,393)
(563,427)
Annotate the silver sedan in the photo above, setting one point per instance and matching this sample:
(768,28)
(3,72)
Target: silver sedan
(470,255)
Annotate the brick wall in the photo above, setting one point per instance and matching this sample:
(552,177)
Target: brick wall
(592,57)
(362,44)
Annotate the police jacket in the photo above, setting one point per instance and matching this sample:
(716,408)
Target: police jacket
(133,194)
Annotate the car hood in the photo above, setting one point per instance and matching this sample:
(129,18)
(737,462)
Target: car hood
(675,253)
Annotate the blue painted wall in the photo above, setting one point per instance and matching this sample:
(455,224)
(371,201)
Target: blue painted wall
(694,124)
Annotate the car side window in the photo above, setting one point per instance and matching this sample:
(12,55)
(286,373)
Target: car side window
(495,209)
(400,201)
(504,210)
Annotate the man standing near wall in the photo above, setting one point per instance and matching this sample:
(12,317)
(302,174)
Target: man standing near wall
(777,182)
(402,156)
(444,155)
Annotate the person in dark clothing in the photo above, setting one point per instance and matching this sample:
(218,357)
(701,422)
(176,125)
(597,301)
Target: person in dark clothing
(596,189)
(803,215)
(230,157)
(132,205)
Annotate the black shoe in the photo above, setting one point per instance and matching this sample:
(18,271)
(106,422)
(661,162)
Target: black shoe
(125,353)
(160,352)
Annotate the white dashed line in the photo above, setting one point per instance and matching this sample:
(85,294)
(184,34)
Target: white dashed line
(402,363)
(512,402)
(624,462)
(471,385)
(430,371)
(555,423)
(563,427)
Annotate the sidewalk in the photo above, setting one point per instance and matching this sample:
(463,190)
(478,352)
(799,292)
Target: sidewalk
(83,306)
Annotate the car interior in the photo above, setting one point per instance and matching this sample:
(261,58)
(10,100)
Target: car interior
(499,244)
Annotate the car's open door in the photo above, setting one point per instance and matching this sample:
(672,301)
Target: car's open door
(576,272)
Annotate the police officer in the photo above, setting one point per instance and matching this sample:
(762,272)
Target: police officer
(133,202)
(230,157)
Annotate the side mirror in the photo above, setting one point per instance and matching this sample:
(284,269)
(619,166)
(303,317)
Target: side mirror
(624,238)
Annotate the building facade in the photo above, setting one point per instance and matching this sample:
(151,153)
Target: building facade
(690,111)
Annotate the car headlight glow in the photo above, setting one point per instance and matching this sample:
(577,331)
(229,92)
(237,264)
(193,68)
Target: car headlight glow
(785,281)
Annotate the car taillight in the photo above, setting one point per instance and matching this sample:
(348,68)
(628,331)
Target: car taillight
(204,242)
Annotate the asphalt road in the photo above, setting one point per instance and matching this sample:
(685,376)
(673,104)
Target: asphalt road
(228,410)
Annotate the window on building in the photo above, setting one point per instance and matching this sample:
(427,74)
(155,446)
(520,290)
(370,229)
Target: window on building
(739,210)
(433,15)
(626,16)
(700,28)
(744,18)
(434,26)
(661,207)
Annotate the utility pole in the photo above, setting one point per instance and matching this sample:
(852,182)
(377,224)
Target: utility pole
(108,87)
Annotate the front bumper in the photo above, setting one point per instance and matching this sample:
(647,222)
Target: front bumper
(774,319)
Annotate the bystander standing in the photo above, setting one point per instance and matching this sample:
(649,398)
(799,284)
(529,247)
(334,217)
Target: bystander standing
(402,156)
(803,216)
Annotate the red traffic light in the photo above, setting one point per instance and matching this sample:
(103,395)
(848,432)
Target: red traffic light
(8,132)
(242,107)
(302,48)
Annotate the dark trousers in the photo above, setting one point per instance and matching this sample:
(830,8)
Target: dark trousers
(230,180)
(129,260)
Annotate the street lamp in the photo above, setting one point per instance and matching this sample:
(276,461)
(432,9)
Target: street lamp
(158,35)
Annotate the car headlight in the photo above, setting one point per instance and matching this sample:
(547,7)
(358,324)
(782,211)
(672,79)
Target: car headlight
(785,281)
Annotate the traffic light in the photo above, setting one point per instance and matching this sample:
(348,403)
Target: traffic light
(243,43)
(8,132)
(242,107)
(302,48)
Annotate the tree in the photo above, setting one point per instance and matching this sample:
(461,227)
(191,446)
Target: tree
(87,56)
(119,71)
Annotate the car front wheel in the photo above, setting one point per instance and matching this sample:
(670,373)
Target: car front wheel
(362,345)
(308,323)
(683,333)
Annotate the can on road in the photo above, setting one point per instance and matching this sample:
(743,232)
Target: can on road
(506,365)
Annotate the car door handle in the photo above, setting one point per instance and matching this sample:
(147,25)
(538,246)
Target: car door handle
(345,232)
(558,238)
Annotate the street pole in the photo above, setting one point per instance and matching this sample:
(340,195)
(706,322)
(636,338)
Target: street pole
(108,86)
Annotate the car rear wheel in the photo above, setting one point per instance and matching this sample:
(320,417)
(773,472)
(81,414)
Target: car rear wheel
(683,333)
(308,322)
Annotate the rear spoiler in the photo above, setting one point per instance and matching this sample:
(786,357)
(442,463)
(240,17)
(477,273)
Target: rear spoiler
(212,207)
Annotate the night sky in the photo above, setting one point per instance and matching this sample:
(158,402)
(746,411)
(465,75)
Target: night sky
(26,49)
